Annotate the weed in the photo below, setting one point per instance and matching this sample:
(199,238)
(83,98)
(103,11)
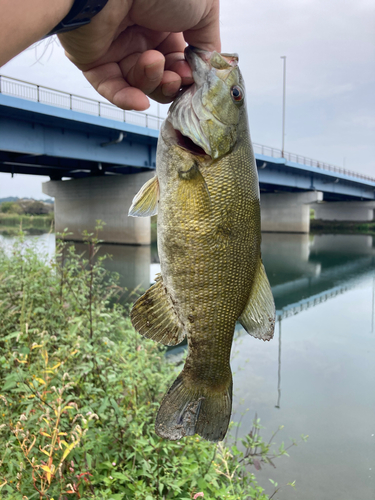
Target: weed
(80,389)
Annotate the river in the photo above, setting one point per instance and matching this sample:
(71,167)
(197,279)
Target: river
(317,376)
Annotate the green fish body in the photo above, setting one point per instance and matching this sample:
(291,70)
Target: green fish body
(206,195)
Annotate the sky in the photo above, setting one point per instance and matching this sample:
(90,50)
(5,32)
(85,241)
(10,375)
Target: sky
(330,79)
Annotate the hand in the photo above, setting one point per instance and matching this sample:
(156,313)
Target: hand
(135,48)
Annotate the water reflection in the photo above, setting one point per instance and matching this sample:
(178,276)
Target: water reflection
(302,266)
(305,271)
(132,263)
(299,266)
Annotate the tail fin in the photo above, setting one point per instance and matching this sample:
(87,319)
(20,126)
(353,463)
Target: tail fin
(187,410)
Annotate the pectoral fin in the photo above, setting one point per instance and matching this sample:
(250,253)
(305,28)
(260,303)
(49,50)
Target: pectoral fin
(258,317)
(145,202)
(154,316)
(192,191)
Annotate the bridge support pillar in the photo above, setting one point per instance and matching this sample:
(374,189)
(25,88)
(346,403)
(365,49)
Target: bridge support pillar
(287,212)
(80,202)
(359,211)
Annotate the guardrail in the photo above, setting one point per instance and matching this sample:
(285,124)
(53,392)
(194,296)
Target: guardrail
(46,95)
(278,153)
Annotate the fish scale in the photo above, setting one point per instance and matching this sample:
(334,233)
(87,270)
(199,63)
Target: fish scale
(209,247)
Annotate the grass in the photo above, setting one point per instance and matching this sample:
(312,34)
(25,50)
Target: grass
(341,227)
(11,224)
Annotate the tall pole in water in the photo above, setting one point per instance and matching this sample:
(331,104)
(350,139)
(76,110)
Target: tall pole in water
(279,369)
(284,80)
(373,305)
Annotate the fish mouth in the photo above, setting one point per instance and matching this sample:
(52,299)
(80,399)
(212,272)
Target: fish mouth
(176,137)
(191,115)
(184,114)
(186,143)
(186,124)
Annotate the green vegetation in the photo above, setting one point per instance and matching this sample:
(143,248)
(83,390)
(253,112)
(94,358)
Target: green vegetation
(318,226)
(25,206)
(341,227)
(79,389)
(30,216)
(11,224)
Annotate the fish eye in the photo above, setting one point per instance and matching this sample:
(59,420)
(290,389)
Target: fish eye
(236,93)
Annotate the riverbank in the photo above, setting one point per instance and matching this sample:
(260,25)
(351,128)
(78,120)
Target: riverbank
(341,227)
(11,224)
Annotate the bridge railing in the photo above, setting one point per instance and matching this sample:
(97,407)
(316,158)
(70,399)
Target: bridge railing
(303,160)
(45,95)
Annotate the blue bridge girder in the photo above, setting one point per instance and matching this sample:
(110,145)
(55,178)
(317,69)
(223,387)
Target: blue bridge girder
(40,139)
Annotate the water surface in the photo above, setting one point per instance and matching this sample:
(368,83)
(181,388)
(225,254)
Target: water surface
(317,376)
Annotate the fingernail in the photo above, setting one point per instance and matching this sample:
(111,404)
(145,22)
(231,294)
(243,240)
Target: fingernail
(169,89)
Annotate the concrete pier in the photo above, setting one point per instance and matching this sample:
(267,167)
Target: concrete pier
(359,211)
(79,203)
(287,212)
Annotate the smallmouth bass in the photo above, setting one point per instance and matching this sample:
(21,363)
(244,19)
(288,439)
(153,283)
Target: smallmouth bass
(206,194)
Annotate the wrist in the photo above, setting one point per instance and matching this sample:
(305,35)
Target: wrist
(24,22)
(79,15)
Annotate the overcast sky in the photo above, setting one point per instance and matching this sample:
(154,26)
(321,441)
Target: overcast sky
(330,83)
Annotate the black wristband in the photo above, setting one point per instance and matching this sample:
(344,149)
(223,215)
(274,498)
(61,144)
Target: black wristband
(80,14)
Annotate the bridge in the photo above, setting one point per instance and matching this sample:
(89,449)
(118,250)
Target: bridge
(107,154)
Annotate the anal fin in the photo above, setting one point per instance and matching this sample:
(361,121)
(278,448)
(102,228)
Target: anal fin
(154,317)
(145,202)
(258,317)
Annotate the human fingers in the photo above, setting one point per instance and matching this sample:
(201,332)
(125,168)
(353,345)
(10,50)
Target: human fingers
(128,92)
(144,71)
(151,77)
(174,63)
(108,80)
(173,47)
(168,89)
(206,33)
(198,20)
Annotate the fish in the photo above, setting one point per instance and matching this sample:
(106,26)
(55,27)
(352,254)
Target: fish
(206,195)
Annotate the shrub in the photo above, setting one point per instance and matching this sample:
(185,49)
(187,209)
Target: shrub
(35,207)
(10,207)
(79,392)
